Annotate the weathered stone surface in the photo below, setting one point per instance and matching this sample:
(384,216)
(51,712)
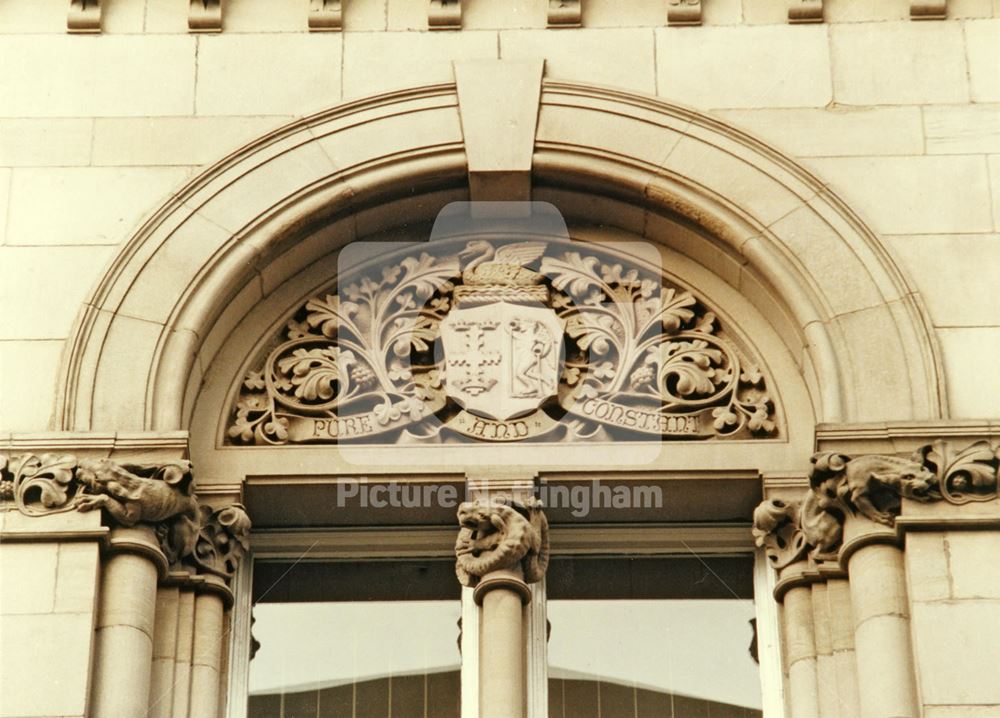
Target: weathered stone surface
(964,129)
(927,566)
(684,58)
(898,63)
(28,577)
(97,205)
(619,57)
(121,71)
(27,383)
(913,195)
(23,270)
(45,642)
(984,58)
(43,143)
(76,582)
(970,627)
(377,62)
(970,554)
(299,74)
(994,165)
(958,293)
(835,132)
(966,353)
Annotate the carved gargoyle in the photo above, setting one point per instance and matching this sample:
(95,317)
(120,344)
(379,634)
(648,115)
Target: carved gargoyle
(144,493)
(499,535)
(871,486)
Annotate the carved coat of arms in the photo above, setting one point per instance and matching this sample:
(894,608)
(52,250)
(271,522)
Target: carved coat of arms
(502,344)
(505,341)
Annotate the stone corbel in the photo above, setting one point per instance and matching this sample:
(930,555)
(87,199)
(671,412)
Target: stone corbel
(205,16)
(325,15)
(928,9)
(444,15)
(805,11)
(683,12)
(565,13)
(84,16)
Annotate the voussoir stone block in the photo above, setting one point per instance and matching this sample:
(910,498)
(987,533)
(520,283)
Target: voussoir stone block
(898,63)
(777,68)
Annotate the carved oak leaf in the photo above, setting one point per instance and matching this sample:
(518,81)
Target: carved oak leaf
(590,332)
(572,274)
(49,474)
(691,363)
(328,313)
(724,418)
(316,371)
(675,310)
(613,275)
(254,381)
(426,275)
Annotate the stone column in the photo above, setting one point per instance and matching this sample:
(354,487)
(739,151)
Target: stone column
(886,679)
(826,677)
(800,652)
(206,654)
(182,664)
(838,593)
(125,620)
(161,688)
(501,548)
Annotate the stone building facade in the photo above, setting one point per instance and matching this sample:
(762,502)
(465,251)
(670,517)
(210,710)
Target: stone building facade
(266,263)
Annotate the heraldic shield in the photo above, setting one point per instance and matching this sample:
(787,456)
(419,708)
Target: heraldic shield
(502,360)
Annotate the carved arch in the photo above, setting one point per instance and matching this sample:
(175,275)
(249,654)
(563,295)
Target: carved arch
(764,224)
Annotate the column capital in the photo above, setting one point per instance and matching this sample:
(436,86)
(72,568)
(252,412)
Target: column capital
(500,534)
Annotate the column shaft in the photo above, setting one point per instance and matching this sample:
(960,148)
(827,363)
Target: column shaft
(124,637)
(838,593)
(161,690)
(800,650)
(206,656)
(182,665)
(826,679)
(501,655)
(886,682)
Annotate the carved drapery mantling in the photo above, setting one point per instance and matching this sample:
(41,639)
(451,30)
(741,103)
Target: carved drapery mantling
(497,535)
(871,486)
(193,537)
(503,342)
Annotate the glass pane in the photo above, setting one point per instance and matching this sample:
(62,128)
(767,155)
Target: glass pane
(645,658)
(356,658)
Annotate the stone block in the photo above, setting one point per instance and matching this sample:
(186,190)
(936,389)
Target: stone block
(85,205)
(28,271)
(45,664)
(965,9)
(982,39)
(974,129)
(76,580)
(618,57)
(913,195)
(960,711)
(864,10)
(512,14)
(969,357)
(993,162)
(69,76)
(123,17)
(926,566)
(972,556)
(957,649)
(176,140)
(614,13)
(381,61)
(269,16)
(167,16)
(27,383)
(835,132)
(40,16)
(45,143)
(404,15)
(898,63)
(764,12)
(4,199)
(268,74)
(128,352)
(957,292)
(749,66)
(28,577)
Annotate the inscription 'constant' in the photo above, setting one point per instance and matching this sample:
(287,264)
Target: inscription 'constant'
(650,422)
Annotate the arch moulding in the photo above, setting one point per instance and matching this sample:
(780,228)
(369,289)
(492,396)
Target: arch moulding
(766,226)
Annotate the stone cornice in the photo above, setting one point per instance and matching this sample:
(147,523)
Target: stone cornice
(156,445)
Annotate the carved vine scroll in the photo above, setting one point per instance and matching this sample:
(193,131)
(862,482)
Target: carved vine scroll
(503,342)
